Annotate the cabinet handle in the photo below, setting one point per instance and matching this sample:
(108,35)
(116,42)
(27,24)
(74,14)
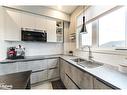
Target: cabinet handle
(37,71)
(53,68)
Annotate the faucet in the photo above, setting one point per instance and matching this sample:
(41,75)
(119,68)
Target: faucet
(90,57)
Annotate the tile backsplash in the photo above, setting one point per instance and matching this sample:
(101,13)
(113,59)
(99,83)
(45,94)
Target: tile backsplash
(37,48)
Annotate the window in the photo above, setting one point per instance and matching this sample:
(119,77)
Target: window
(86,39)
(112,29)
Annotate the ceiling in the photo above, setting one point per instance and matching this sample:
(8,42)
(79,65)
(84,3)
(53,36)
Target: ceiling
(65,9)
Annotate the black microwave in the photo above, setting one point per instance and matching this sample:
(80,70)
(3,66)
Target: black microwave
(33,35)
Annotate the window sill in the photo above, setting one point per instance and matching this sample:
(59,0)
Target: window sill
(111,51)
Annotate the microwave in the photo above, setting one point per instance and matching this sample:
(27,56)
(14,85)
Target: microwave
(33,35)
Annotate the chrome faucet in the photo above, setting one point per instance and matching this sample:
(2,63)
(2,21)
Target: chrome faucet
(90,57)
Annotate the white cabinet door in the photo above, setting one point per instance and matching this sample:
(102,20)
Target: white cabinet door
(38,76)
(38,65)
(40,22)
(51,30)
(28,20)
(12,25)
(8,68)
(24,66)
(99,85)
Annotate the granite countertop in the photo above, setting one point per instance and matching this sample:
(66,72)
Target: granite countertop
(110,76)
(29,58)
(18,80)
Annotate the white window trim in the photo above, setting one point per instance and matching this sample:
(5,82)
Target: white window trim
(96,49)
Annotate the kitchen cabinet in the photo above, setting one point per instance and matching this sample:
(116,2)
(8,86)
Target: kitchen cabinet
(51,30)
(8,68)
(84,80)
(28,20)
(38,65)
(79,78)
(100,85)
(40,22)
(66,75)
(53,68)
(12,25)
(70,84)
(38,76)
(24,66)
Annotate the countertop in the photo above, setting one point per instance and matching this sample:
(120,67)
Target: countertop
(29,58)
(18,80)
(105,73)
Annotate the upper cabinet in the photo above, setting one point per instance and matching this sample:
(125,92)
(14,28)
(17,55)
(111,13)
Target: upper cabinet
(40,22)
(28,20)
(12,25)
(51,30)
(15,20)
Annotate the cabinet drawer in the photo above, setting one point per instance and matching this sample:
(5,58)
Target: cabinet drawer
(53,73)
(51,63)
(8,68)
(38,65)
(38,76)
(99,85)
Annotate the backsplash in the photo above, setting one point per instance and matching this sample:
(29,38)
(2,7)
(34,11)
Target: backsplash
(37,48)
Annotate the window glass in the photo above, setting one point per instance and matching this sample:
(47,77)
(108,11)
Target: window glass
(86,39)
(112,29)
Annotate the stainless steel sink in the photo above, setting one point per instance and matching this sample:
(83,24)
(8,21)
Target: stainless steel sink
(87,64)
(78,60)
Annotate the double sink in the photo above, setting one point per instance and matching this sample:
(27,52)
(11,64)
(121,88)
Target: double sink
(86,63)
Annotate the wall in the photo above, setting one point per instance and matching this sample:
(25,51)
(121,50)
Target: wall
(114,58)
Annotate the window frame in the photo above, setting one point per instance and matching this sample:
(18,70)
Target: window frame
(95,33)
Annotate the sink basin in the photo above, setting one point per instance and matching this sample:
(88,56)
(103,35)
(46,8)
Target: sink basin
(78,60)
(87,64)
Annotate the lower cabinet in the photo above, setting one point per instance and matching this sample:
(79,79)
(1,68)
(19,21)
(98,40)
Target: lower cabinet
(53,73)
(38,76)
(53,68)
(70,84)
(84,80)
(100,85)
(8,68)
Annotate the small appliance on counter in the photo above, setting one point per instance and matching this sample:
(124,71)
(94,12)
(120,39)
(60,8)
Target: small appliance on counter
(11,53)
(16,52)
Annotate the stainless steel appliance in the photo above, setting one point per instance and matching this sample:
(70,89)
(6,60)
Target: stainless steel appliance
(33,35)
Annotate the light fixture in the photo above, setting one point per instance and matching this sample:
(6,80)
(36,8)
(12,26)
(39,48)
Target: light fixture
(83,29)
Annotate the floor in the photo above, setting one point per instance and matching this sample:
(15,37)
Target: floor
(49,85)
(43,85)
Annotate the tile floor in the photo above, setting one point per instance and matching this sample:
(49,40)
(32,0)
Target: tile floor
(43,85)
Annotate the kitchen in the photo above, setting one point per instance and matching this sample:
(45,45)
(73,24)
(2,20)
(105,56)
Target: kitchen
(46,42)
